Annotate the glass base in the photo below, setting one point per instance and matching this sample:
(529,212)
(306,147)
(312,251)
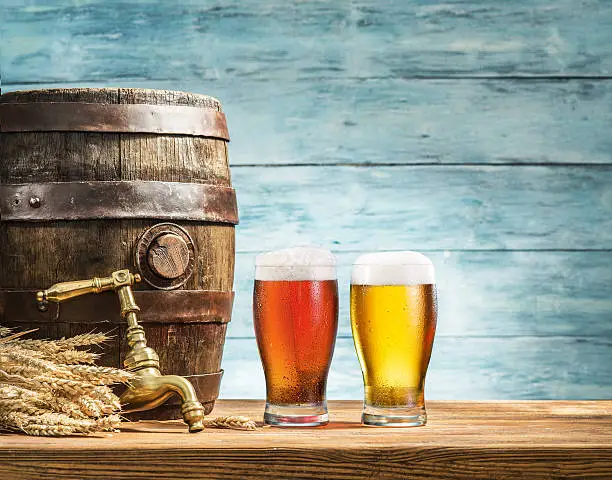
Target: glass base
(311,415)
(394,417)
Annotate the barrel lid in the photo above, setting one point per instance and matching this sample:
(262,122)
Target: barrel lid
(106,110)
(131,96)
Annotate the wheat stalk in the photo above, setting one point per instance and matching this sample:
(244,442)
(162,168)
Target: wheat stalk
(106,395)
(56,424)
(99,375)
(4,331)
(92,407)
(67,357)
(13,391)
(13,336)
(50,388)
(20,358)
(73,357)
(63,405)
(47,430)
(20,405)
(109,424)
(234,422)
(52,346)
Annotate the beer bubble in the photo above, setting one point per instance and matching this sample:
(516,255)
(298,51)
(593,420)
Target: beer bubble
(393,268)
(297,263)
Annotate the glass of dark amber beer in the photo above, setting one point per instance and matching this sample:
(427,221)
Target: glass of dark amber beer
(393,318)
(295,312)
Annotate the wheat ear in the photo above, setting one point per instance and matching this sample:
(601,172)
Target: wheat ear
(73,357)
(99,375)
(21,358)
(234,422)
(51,388)
(52,346)
(4,331)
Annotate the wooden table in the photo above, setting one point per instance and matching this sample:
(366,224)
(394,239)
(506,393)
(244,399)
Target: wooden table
(471,440)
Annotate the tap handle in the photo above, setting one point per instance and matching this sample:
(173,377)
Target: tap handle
(66,290)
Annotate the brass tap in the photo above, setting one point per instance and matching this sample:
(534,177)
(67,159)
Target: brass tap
(150,388)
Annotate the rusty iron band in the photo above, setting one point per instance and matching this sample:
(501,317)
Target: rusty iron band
(39,202)
(112,118)
(156,306)
(206,385)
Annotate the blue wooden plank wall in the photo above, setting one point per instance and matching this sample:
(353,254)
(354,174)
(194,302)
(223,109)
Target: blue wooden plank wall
(475,131)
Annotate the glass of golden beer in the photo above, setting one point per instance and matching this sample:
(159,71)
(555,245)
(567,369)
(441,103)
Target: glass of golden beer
(393,319)
(295,312)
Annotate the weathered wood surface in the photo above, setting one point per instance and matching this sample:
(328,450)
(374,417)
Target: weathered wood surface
(397,82)
(109,40)
(384,121)
(461,368)
(426,208)
(538,327)
(416,122)
(488,293)
(507,440)
(36,255)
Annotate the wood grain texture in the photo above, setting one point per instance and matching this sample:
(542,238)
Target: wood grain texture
(417,122)
(536,440)
(118,39)
(44,254)
(487,293)
(381,121)
(461,368)
(426,208)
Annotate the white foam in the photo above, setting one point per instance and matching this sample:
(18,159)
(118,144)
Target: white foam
(297,263)
(393,268)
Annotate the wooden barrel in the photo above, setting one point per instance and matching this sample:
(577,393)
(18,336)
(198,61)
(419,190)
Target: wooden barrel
(96,180)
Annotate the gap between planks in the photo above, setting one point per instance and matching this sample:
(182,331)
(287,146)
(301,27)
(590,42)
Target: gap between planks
(471,250)
(583,338)
(422,164)
(500,78)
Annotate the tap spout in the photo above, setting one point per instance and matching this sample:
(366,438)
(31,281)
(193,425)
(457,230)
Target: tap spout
(151,389)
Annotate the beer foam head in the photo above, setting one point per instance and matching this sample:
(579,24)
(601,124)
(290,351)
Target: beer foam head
(297,263)
(393,268)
